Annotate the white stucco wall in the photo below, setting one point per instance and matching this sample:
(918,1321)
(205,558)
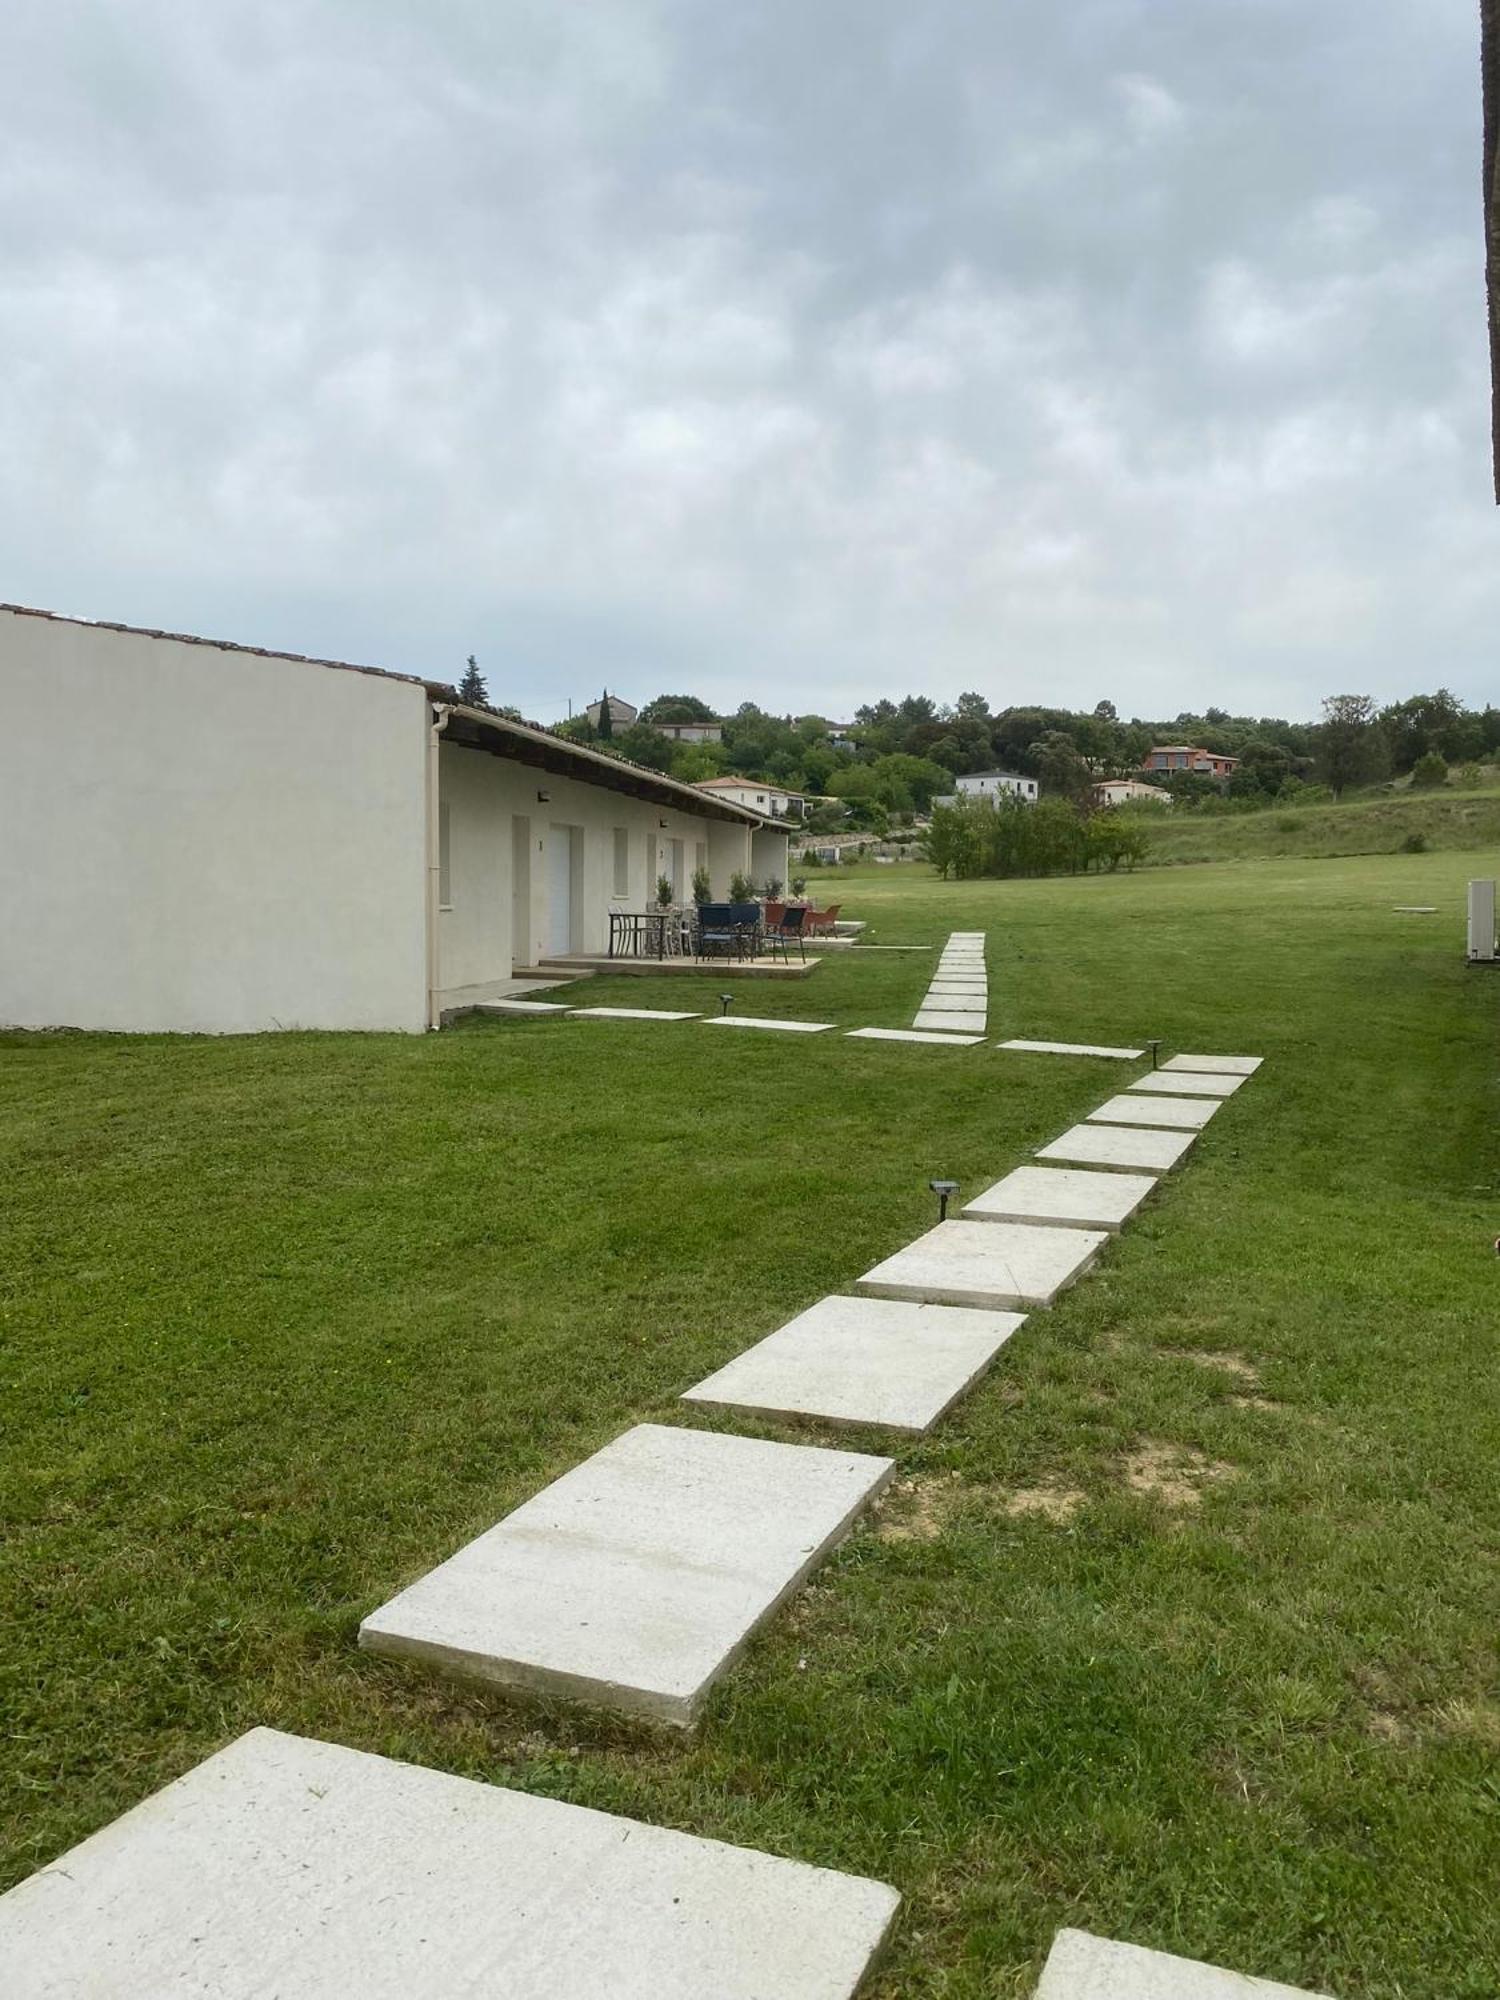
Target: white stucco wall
(198,839)
(493,802)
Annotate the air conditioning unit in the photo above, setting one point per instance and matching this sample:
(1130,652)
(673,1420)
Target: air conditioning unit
(1482,923)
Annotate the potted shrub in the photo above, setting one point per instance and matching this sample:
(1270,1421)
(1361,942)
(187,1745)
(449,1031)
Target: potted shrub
(663,893)
(702,887)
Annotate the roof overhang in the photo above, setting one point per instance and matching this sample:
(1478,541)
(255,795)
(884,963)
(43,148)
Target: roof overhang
(524,743)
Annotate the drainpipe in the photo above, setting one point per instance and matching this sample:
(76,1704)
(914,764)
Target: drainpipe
(440,715)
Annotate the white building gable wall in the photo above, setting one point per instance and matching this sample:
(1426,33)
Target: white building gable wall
(205,840)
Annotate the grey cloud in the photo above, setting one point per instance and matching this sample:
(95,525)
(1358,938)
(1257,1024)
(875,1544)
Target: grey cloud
(807,352)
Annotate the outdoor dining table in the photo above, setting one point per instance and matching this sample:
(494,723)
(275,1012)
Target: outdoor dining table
(645,933)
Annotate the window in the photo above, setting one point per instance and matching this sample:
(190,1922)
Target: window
(445,849)
(622,862)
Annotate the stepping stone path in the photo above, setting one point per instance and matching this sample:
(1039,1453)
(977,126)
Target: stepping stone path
(523,1007)
(958,999)
(915,1035)
(1180,1114)
(634,1580)
(632,1583)
(1075,1049)
(985,1264)
(627,1014)
(1118,1146)
(767,1021)
(288,1866)
(1184,1083)
(1082,1967)
(863,1361)
(1064,1197)
(1217,1065)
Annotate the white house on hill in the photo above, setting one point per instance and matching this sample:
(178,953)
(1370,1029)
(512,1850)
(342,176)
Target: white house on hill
(757,795)
(991,785)
(210,838)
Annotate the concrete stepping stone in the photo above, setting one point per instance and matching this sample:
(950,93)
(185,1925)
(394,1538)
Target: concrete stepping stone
(985,1264)
(863,1361)
(634,1581)
(627,1014)
(1185,1083)
(767,1021)
(1082,1967)
(915,1035)
(1119,1148)
(523,1007)
(948,1018)
(1217,1065)
(1065,1197)
(955,984)
(1075,1049)
(1178,1114)
(300,1868)
(958,1003)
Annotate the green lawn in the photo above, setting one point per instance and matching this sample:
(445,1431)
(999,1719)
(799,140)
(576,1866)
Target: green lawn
(1364,823)
(1196,1652)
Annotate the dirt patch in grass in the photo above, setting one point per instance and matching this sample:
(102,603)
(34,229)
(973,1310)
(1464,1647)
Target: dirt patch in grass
(918,1509)
(1053,1503)
(1174,1474)
(1255,1403)
(1477,1719)
(1227,1364)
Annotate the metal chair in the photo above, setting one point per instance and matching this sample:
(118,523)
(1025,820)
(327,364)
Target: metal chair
(793,925)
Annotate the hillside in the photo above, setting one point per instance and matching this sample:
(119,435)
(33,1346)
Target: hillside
(1368,824)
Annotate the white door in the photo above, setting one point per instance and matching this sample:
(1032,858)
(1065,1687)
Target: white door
(520,891)
(559,889)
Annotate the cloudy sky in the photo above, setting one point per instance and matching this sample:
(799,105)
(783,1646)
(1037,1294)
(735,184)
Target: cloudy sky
(798,350)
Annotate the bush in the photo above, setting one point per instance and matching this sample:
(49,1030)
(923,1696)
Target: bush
(1429,771)
(799,885)
(663,892)
(1414,843)
(774,887)
(702,888)
(741,888)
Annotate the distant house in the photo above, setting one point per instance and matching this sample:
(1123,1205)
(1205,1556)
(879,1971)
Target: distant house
(690,732)
(991,785)
(1169,757)
(757,795)
(621,714)
(841,736)
(1129,791)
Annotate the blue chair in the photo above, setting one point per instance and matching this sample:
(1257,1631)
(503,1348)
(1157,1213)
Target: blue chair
(715,931)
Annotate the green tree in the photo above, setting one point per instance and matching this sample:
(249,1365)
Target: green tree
(472,691)
(606,723)
(1351,747)
(1430,771)
(1062,771)
(677,708)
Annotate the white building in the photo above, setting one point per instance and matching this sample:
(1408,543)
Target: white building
(756,795)
(201,837)
(990,784)
(690,732)
(1129,792)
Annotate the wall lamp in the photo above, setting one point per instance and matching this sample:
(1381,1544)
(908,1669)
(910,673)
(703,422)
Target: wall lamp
(544,798)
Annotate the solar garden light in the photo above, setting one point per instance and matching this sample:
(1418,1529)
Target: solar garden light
(725,1000)
(942,1189)
(1154,1047)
